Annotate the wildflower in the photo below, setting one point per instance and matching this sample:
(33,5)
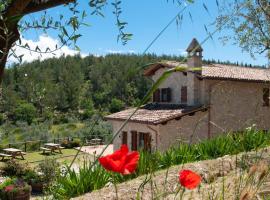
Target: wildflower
(9,188)
(121,161)
(262,169)
(247,194)
(252,170)
(189,179)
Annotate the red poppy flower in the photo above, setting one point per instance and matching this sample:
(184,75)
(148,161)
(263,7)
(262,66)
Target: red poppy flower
(189,179)
(9,188)
(121,161)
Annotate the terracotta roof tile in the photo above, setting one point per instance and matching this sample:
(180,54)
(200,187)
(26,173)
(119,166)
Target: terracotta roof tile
(220,71)
(154,113)
(236,73)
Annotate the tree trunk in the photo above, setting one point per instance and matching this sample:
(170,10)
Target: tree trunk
(9,34)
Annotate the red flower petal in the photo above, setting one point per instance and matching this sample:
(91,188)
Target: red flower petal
(131,162)
(189,179)
(105,163)
(121,161)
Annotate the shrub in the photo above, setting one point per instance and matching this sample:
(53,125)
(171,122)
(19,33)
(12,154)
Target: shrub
(116,105)
(25,112)
(14,168)
(14,189)
(88,179)
(2,118)
(71,143)
(73,184)
(31,176)
(49,169)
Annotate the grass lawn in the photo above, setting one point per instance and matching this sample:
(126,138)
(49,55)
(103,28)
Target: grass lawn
(66,157)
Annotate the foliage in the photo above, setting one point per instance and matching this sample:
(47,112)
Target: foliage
(14,168)
(150,162)
(116,105)
(31,176)
(25,112)
(66,88)
(73,184)
(71,143)
(249,25)
(49,169)
(11,187)
(2,119)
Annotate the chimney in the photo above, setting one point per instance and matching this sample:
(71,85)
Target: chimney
(194,54)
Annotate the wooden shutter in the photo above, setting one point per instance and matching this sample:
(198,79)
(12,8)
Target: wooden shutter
(124,137)
(156,96)
(266,96)
(147,142)
(184,94)
(134,145)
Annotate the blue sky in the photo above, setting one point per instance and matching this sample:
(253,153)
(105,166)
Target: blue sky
(146,18)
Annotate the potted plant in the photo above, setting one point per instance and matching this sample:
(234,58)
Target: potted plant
(42,176)
(15,189)
(34,179)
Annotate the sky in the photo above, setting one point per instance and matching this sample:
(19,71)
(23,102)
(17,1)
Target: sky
(146,18)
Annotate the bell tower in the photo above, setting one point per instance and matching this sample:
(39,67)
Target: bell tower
(194,61)
(194,54)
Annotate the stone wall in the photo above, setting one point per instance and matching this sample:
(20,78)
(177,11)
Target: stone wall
(236,105)
(188,129)
(175,82)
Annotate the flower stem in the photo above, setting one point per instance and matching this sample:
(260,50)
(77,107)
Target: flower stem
(115,187)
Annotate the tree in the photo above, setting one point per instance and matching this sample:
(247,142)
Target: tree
(116,105)
(25,112)
(12,24)
(250,24)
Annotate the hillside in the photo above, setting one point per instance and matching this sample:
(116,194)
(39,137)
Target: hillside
(228,177)
(68,87)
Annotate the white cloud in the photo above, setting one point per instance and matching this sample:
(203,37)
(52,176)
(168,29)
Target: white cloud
(111,51)
(183,52)
(131,51)
(43,43)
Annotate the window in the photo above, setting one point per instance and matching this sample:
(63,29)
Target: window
(124,137)
(166,94)
(156,96)
(162,95)
(266,97)
(184,94)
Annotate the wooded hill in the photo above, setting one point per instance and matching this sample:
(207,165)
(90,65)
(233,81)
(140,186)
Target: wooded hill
(75,85)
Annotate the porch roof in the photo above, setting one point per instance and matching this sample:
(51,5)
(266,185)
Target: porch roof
(156,113)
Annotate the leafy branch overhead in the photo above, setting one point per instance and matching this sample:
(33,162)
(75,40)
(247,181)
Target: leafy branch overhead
(13,24)
(250,27)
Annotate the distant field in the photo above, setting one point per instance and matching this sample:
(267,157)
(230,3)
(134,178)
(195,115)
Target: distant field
(65,158)
(47,131)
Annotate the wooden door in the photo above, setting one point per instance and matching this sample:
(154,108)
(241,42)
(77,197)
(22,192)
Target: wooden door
(145,141)
(124,137)
(184,95)
(134,139)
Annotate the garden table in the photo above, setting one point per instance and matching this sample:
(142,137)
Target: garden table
(14,152)
(96,141)
(53,147)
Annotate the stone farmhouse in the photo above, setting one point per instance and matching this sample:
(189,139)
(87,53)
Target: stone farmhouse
(196,104)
